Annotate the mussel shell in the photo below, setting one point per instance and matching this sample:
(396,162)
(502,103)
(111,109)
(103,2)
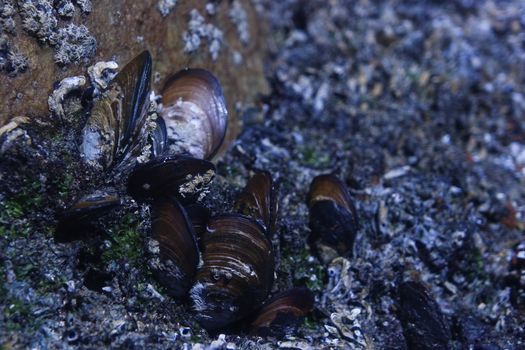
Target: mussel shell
(75,222)
(96,279)
(115,131)
(173,247)
(333,218)
(424,326)
(135,81)
(159,138)
(329,187)
(194,110)
(182,177)
(236,274)
(258,200)
(199,217)
(282,313)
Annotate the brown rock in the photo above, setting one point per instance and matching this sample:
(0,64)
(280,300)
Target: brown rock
(124,28)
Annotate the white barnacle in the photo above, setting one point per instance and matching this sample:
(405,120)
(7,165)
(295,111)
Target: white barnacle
(195,183)
(197,294)
(149,127)
(166,6)
(185,126)
(64,87)
(90,150)
(198,30)
(239,17)
(101,74)
(153,246)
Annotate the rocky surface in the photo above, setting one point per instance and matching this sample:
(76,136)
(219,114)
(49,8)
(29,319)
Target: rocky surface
(44,41)
(417,106)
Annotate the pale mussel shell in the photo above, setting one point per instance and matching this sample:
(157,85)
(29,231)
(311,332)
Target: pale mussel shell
(115,132)
(76,222)
(172,247)
(194,110)
(258,200)
(333,218)
(237,271)
(282,313)
(424,326)
(181,177)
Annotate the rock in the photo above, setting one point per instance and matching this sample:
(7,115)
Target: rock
(118,31)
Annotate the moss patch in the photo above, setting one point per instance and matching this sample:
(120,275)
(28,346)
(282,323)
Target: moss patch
(306,269)
(15,211)
(313,158)
(127,242)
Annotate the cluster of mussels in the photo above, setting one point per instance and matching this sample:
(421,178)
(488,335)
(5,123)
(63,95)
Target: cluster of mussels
(226,262)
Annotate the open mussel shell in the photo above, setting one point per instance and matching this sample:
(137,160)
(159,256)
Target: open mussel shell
(182,177)
(424,326)
(194,110)
(115,131)
(333,218)
(76,222)
(258,200)
(281,314)
(237,271)
(172,247)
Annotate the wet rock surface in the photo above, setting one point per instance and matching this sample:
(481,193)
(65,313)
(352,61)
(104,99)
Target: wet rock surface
(418,107)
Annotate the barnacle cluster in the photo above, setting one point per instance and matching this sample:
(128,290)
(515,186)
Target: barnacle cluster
(72,43)
(239,17)
(199,30)
(166,6)
(12,61)
(7,23)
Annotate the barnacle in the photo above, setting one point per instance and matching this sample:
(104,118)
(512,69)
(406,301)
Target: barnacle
(65,86)
(11,60)
(73,44)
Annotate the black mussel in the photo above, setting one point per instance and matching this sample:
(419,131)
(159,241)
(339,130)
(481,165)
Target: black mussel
(281,314)
(194,110)
(424,326)
(258,200)
(237,271)
(116,131)
(172,247)
(76,222)
(96,279)
(159,138)
(333,218)
(199,216)
(181,177)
